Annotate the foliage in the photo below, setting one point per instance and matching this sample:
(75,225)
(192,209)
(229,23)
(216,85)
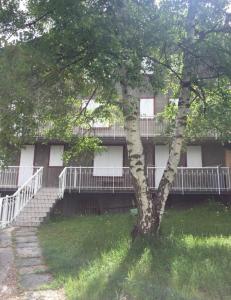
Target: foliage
(209,118)
(92,257)
(69,49)
(75,50)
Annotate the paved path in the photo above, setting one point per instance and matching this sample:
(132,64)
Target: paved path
(22,269)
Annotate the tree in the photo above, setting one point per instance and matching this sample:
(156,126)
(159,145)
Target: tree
(120,48)
(104,43)
(202,33)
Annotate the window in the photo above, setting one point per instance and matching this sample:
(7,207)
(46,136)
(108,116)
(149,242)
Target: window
(147,107)
(56,156)
(109,162)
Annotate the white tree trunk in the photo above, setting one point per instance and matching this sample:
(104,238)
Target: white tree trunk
(136,161)
(180,124)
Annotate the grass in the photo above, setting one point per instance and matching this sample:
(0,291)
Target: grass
(93,259)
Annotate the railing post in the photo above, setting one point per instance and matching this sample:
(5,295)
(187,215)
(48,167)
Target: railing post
(148,178)
(113,181)
(182,180)
(75,178)
(5,210)
(229,178)
(218,180)
(17,205)
(147,128)
(80,173)
(114,130)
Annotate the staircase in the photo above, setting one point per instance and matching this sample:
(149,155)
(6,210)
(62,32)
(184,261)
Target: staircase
(38,208)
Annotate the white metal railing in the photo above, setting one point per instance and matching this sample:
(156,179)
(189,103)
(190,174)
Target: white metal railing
(62,182)
(205,179)
(95,179)
(149,127)
(10,206)
(9,176)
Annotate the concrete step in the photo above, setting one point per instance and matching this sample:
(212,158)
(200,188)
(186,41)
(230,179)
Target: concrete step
(40,203)
(28,224)
(29,210)
(38,214)
(38,208)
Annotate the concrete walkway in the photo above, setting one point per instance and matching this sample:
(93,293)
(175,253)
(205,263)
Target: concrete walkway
(22,269)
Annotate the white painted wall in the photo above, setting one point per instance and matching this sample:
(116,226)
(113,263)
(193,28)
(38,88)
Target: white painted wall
(26,161)
(194,157)
(56,155)
(109,162)
(146,107)
(161,158)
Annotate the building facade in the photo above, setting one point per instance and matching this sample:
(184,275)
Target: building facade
(102,181)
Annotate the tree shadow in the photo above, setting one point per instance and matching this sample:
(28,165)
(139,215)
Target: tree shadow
(167,268)
(190,260)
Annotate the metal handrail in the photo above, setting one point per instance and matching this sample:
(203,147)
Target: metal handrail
(11,206)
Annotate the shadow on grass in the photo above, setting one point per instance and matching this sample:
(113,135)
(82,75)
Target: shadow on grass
(94,259)
(171,268)
(72,244)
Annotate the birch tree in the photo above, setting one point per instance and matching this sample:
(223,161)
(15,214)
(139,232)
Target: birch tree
(203,34)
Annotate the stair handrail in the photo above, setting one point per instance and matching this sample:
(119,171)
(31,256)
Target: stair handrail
(62,182)
(11,206)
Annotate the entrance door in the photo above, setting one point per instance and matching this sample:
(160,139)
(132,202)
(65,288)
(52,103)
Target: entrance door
(228,158)
(161,158)
(26,164)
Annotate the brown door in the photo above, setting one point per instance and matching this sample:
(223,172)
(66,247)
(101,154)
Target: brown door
(228,158)
(41,159)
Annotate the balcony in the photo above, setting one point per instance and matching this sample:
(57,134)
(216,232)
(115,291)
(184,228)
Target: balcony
(211,180)
(149,127)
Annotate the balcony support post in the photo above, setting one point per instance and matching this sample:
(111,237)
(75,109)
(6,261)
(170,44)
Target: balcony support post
(80,173)
(113,181)
(114,130)
(5,211)
(218,180)
(182,180)
(147,128)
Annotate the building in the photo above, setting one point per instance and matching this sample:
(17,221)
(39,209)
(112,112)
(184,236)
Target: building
(102,181)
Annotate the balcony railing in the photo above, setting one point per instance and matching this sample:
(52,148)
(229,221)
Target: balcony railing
(205,179)
(10,176)
(149,127)
(188,180)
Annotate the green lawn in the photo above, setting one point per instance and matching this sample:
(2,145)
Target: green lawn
(92,257)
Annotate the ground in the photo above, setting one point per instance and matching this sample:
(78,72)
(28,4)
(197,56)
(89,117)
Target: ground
(22,270)
(93,258)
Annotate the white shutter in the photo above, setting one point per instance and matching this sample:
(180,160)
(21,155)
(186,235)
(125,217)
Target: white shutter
(56,156)
(147,107)
(194,157)
(26,164)
(109,162)
(161,158)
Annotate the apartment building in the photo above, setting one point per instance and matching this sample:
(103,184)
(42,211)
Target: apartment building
(102,181)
